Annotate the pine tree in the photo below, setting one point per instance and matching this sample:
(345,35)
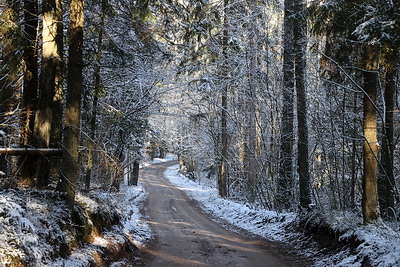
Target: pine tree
(285,178)
(70,166)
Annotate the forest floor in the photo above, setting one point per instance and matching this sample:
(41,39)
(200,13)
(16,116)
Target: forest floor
(185,236)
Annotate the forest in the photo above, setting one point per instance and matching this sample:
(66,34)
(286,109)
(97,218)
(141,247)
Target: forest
(288,106)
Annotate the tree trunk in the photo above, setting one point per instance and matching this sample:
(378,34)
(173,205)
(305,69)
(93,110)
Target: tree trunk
(300,45)
(70,165)
(250,166)
(285,178)
(96,93)
(47,85)
(223,176)
(370,205)
(386,178)
(30,84)
(58,98)
(135,173)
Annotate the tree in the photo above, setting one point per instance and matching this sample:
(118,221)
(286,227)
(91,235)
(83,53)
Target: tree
(370,203)
(250,146)
(96,93)
(300,45)
(223,172)
(70,165)
(30,84)
(47,87)
(58,97)
(386,181)
(11,39)
(365,31)
(285,178)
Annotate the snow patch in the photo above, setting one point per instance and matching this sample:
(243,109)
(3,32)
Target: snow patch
(380,244)
(265,223)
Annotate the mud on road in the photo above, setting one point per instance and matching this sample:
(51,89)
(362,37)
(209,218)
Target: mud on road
(185,236)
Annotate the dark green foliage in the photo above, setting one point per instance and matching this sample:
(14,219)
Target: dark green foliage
(372,21)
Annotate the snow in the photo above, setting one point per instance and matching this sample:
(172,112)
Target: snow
(31,224)
(169,157)
(262,222)
(378,242)
(134,223)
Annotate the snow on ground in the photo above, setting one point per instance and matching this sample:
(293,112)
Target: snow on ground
(33,225)
(134,224)
(169,157)
(379,243)
(265,223)
(30,221)
(128,201)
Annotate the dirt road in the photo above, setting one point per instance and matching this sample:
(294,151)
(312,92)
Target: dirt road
(184,236)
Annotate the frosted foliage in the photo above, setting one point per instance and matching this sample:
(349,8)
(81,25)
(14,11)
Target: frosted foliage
(28,228)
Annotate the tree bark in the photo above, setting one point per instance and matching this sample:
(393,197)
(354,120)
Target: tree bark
(135,173)
(70,167)
(285,178)
(58,96)
(30,83)
(300,45)
(47,86)
(370,205)
(386,178)
(250,161)
(223,175)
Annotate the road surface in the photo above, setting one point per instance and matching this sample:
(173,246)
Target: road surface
(185,236)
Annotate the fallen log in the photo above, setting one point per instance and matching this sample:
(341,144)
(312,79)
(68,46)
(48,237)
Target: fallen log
(30,151)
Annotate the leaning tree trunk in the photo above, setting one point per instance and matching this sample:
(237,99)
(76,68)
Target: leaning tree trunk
(370,205)
(69,168)
(285,178)
(300,44)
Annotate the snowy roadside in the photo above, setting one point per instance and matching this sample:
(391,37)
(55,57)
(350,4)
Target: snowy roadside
(134,224)
(379,245)
(34,225)
(265,223)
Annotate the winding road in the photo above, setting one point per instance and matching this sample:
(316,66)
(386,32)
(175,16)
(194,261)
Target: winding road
(185,236)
